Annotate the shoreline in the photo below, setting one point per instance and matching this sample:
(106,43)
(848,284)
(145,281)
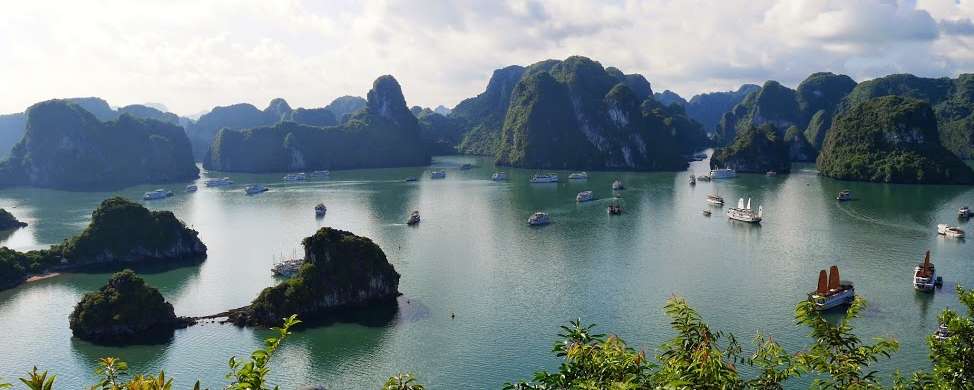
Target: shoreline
(37,278)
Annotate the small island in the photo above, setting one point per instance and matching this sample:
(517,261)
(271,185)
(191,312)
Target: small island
(342,271)
(8,221)
(122,234)
(890,139)
(756,149)
(125,310)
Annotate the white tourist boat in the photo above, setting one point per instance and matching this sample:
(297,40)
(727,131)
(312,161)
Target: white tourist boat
(254,189)
(950,231)
(831,291)
(715,199)
(542,178)
(295,177)
(287,268)
(221,182)
(745,213)
(723,173)
(693,180)
(499,176)
(325,173)
(157,194)
(438,175)
(578,176)
(925,275)
(539,219)
(844,195)
(413,218)
(320,210)
(964,212)
(618,186)
(584,196)
(192,188)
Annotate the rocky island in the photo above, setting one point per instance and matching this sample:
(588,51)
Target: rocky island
(342,271)
(124,311)
(8,221)
(890,139)
(67,147)
(121,234)
(756,149)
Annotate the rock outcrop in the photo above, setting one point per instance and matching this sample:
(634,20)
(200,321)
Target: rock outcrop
(483,115)
(799,149)
(890,139)
(342,271)
(755,150)
(707,108)
(125,310)
(8,221)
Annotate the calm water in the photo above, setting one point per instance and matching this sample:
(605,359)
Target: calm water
(510,285)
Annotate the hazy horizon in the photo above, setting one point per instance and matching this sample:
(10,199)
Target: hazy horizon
(192,57)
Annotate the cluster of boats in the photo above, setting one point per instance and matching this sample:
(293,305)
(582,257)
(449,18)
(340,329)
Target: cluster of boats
(287,268)
(833,292)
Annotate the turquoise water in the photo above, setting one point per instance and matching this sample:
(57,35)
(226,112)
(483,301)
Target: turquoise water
(510,285)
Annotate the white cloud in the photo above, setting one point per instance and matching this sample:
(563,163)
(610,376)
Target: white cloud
(194,55)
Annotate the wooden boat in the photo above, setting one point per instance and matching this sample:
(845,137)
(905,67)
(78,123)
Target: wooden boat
(831,292)
(925,275)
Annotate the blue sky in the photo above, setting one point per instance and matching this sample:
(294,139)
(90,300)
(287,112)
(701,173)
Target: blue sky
(193,55)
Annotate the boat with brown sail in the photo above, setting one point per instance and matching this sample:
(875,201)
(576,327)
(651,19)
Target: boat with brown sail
(925,275)
(831,291)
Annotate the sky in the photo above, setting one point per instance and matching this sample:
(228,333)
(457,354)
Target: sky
(194,55)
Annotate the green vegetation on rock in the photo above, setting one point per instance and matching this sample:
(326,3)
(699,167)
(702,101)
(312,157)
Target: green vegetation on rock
(755,149)
(890,139)
(484,114)
(125,310)
(341,271)
(799,149)
(67,147)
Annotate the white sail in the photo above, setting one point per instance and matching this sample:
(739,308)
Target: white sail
(760,211)
(740,203)
(748,203)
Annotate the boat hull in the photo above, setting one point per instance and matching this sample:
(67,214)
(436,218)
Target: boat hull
(840,298)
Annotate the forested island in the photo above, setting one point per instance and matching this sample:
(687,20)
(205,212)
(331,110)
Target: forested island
(8,221)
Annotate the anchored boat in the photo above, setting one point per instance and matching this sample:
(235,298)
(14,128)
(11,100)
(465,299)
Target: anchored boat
(499,176)
(925,275)
(723,173)
(831,291)
(320,210)
(221,182)
(618,186)
(715,199)
(192,188)
(438,175)
(539,219)
(295,177)
(157,194)
(287,268)
(844,195)
(578,176)
(254,189)
(964,213)
(413,218)
(584,196)
(745,213)
(693,180)
(544,178)
(949,231)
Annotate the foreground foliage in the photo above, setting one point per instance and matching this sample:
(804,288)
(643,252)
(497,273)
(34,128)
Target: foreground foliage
(698,357)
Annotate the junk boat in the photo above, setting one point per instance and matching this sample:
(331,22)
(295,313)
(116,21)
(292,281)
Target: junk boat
(949,231)
(221,182)
(287,268)
(320,210)
(618,186)
(499,176)
(831,291)
(964,213)
(539,219)
(614,209)
(724,173)
(584,196)
(157,194)
(413,218)
(693,180)
(254,189)
(745,213)
(844,195)
(578,176)
(192,188)
(925,276)
(438,175)
(715,199)
(295,177)
(544,178)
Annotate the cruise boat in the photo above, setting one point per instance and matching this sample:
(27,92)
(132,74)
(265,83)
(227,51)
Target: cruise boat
(499,176)
(964,213)
(438,175)
(703,177)
(844,195)
(221,182)
(724,173)
(192,188)
(295,177)
(693,180)
(466,167)
(949,231)
(320,210)
(618,186)
(544,178)
(411,178)
(715,199)
(831,291)
(325,173)
(578,176)
(538,219)
(157,194)
(925,275)
(584,196)
(254,189)
(614,209)
(413,218)
(745,213)
(287,268)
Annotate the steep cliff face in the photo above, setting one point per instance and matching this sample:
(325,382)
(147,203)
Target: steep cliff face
(890,139)
(441,134)
(125,310)
(483,115)
(384,134)
(66,147)
(234,117)
(572,114)
(668,97)
(799,149)
(343,107)
(755,150)
(342,271)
